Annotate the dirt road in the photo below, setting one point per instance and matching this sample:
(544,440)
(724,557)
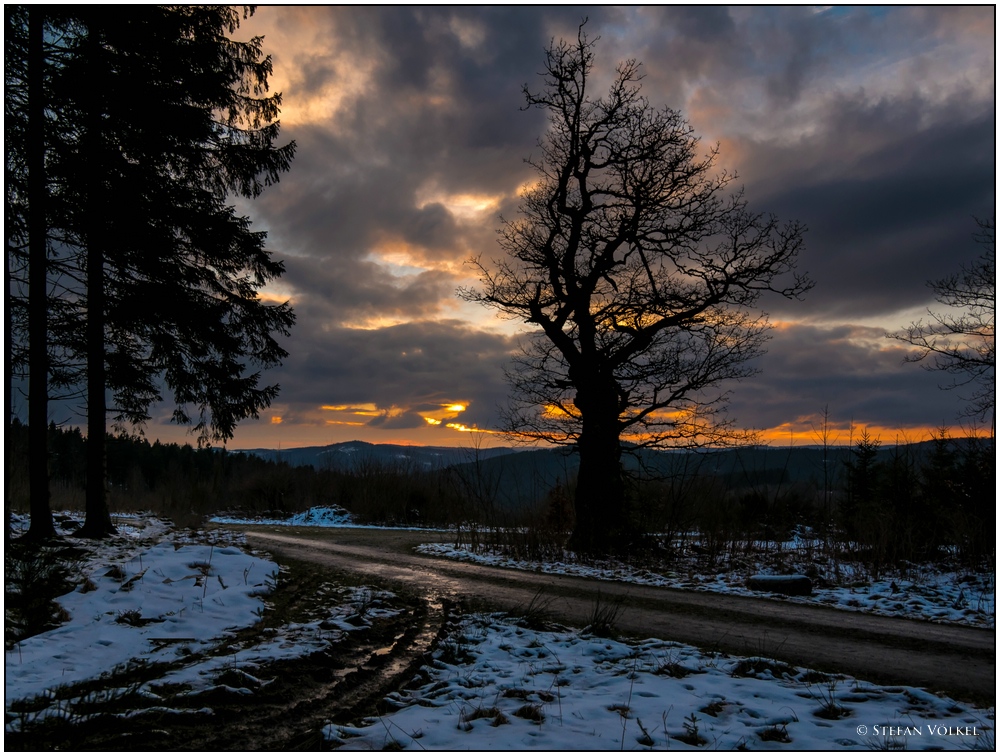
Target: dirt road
(959,661)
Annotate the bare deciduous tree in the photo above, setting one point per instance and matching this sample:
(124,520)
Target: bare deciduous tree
(642,275)
(962,342)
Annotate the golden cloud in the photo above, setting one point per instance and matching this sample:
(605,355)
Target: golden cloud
(467,429)
(362,410)
(466,206)
(299,40)
(448,411)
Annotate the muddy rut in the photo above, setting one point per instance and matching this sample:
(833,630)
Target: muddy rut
(343,683)
(959,661)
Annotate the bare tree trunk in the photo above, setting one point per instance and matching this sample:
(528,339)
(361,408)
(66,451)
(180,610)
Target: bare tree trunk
(38,348)
(601,506)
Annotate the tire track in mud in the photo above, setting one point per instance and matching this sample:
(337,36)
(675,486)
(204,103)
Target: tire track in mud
(959,661)
(360,684)
(340,684)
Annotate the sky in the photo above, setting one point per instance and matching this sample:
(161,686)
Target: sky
(874,127)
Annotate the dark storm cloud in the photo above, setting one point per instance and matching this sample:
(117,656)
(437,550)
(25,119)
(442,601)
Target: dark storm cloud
(886,174)
(778,50)
(403,421)
(415,366)
(853,371)
(874,127)
(785,52)
(342,200)
(883,218)
(336,291)
(850,121)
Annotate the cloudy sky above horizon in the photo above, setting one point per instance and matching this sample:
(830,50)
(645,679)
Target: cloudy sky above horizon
(873,127)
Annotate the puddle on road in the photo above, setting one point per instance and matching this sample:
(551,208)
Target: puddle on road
(369,560)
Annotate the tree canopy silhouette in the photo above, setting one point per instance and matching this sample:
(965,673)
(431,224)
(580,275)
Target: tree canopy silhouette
(641,275)
(158,119)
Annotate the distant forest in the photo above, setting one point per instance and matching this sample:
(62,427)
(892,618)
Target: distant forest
(908,502)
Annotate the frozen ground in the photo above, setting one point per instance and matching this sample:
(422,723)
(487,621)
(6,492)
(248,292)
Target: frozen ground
(921,593)
(494,685)
(151,595)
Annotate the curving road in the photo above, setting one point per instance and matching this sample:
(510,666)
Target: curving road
(957,660)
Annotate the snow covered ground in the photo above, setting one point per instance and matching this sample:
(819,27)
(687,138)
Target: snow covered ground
(494,685)
(152,595)
(316,517)
(923,593)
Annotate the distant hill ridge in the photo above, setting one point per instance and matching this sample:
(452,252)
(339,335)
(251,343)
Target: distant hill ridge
(353,454)
(530,473)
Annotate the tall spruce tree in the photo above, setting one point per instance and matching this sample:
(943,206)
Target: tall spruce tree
(25,77)
(166,118)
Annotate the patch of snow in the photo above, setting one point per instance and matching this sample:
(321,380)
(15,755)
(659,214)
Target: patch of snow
(940,596)
(494,685)
(321,517)
(150,602)
(317,517)
(144,598)
(131,526)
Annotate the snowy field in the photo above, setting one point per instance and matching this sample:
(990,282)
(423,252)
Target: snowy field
(153,594)
(496,686)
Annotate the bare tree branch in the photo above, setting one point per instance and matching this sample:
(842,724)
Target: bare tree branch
(962,342)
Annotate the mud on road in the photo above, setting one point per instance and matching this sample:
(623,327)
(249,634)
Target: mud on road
(951,659)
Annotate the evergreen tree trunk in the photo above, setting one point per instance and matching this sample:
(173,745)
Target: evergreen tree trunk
(38,358)
(98,523)
(8,28)
(8,367)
